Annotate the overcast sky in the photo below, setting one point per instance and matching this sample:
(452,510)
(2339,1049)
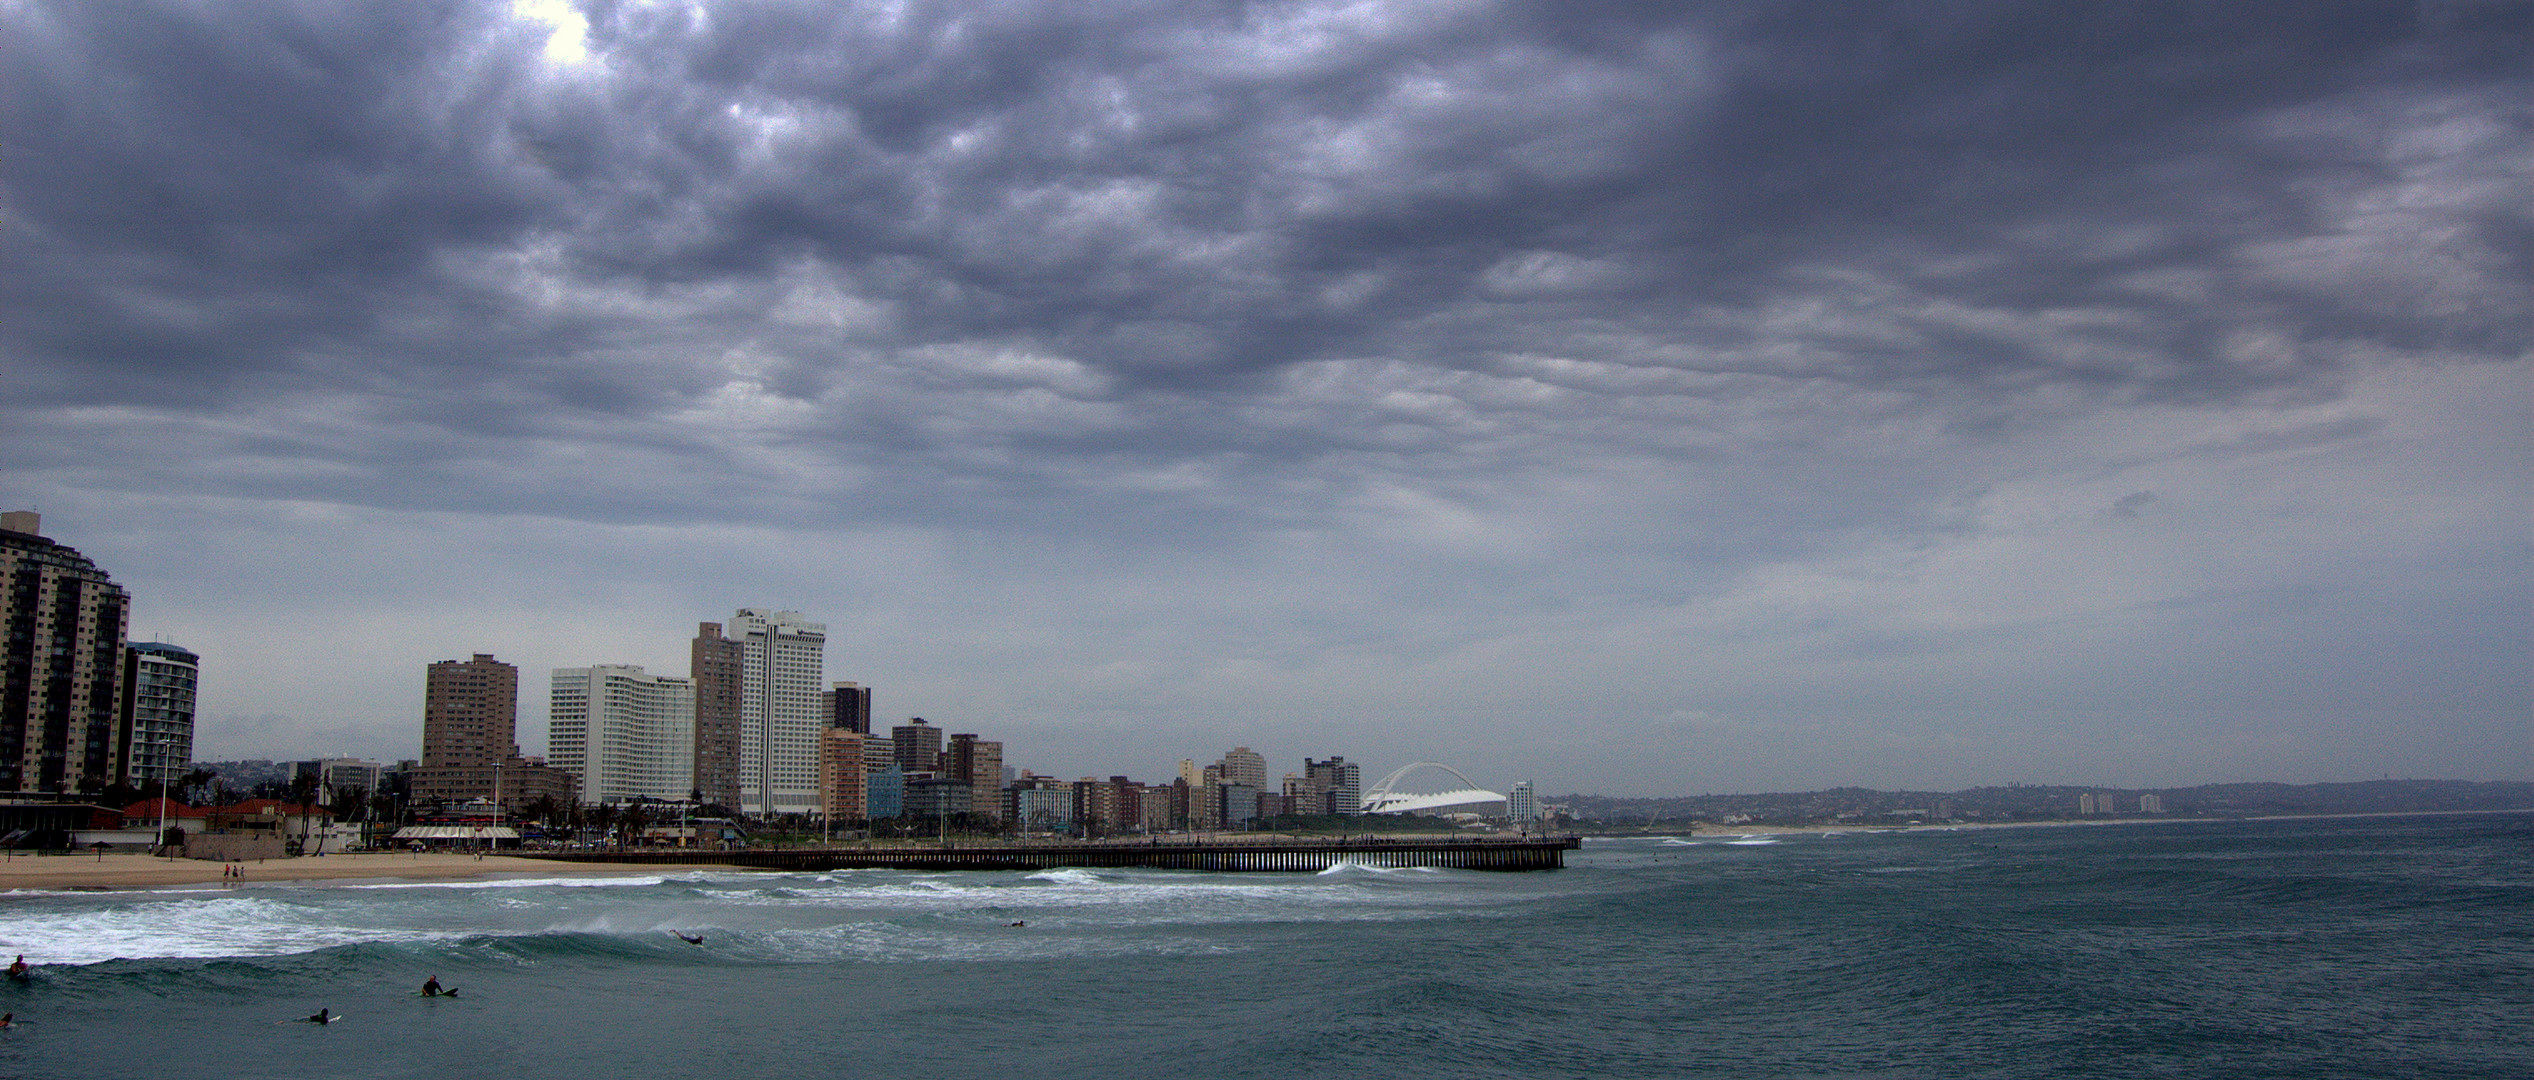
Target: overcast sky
(1631,398)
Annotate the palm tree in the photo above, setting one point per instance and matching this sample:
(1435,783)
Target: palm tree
(602,817)
(346,801)
(195,782)
(303,793)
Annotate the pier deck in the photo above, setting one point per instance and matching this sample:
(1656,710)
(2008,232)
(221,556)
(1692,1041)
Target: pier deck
(1539,853)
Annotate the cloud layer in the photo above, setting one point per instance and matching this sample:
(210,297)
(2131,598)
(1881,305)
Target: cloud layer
(1620,397)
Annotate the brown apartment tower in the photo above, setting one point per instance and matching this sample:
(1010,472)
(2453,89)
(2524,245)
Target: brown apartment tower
(470,739)
(715,664)
(61,665)
(470,713)
(980,763)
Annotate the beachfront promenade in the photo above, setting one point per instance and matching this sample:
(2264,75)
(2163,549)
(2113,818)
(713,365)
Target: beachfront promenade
(1283,853)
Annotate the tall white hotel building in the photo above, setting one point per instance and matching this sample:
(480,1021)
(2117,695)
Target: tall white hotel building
(782,668)
(623,731)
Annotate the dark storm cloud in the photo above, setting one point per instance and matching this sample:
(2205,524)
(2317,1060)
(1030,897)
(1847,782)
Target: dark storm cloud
(1181,194)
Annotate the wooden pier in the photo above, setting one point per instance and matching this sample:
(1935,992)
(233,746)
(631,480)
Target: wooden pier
(1530,853)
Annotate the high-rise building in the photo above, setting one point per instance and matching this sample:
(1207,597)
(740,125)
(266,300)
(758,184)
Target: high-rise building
(1042,804)
(1240,805)
(884,789)
(1205,799)
(1245,766)
(61,665)
(1522,803)
(1304,794)
(848,706)
(1176,814)
(1341,782)
(470,713)
(470,739)
(918,746)
(878,752)
(625,732)
(782,662)
(980,763)
(1160,809)
(336,774)
(2151,804)
(1095,806)
(938,798)
(843,785)
(714,665)
(158,712)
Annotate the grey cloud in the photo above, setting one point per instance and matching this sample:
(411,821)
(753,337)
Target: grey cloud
(1618,308)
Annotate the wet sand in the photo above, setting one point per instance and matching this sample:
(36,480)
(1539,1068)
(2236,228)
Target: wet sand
(121,870)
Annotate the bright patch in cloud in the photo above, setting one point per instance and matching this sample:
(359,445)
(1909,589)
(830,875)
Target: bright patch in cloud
(568,39)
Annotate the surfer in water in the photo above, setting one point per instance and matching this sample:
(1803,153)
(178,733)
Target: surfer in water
(696,940)
(17,967)
(324,1016)
(431,988)
(8,1020)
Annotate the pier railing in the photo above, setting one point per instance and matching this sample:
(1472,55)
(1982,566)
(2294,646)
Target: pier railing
(1285,854)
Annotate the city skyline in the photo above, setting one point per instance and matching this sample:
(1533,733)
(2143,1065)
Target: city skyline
(1630,398)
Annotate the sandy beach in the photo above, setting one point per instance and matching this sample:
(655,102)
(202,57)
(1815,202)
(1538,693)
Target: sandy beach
(119,870)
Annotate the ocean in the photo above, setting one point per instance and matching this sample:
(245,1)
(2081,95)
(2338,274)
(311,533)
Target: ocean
(2355,947)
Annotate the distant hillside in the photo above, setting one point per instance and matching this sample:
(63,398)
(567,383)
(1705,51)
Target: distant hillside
(246,776)
(2019,802)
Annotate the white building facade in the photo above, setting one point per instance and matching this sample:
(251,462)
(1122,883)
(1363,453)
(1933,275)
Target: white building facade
(625,732)
(1522,803)
(782,673)
(158,710)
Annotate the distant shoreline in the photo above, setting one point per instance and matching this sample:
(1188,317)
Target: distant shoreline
(1704,829)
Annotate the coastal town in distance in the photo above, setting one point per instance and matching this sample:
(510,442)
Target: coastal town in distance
(755,744)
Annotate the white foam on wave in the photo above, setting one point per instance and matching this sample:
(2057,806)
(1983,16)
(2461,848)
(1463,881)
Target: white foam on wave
(518,883)
(1752,841)
(1344,867)
(191,929)
(1117,897)
(885,942)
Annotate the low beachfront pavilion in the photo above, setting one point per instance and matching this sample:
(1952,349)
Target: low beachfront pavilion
(457,837)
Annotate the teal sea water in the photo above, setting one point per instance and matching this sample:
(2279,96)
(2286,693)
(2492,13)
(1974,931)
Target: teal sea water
(2384,947)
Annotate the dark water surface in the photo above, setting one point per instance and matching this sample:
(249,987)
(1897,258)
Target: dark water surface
(2382,947)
